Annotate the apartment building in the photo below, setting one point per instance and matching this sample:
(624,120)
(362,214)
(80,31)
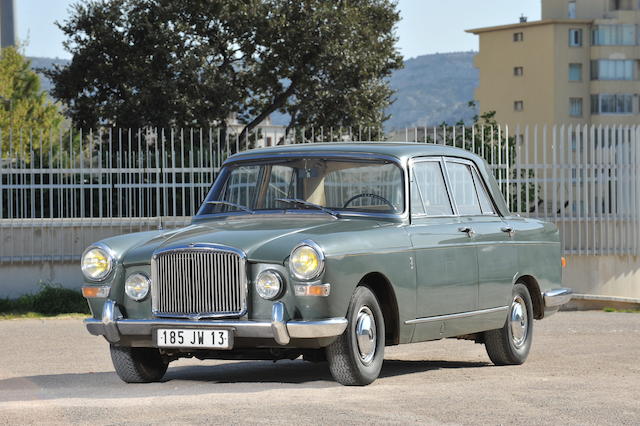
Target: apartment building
(580,64)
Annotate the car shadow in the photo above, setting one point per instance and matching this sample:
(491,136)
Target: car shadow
(246,376)
(298,371)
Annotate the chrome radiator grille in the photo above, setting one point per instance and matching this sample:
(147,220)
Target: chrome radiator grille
(199,281)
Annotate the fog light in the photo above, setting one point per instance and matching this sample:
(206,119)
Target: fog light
(91,292)
(313,289)
(137,286)
(269,284)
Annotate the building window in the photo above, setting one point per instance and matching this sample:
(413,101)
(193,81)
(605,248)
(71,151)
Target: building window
(575,72)
(613,69)
(518,71)
(575,107)
(614,35)
(572,10)
(575,37)
(518,36)
(518,106)
(621,4)
(612,104)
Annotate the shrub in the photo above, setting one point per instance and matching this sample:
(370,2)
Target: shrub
(51,299)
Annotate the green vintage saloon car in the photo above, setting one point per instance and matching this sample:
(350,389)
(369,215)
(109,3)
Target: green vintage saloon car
(329,252)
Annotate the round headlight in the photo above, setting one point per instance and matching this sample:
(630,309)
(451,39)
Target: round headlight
(96,263)
(137,286)
(269,284)
(306,261)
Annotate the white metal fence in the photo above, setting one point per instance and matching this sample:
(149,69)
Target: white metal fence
(111,181)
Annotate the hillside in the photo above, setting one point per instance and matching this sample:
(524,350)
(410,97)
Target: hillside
(430,89)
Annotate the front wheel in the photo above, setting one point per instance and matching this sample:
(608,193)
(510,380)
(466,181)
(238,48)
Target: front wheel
(510,344)
(355,358)
(138,365)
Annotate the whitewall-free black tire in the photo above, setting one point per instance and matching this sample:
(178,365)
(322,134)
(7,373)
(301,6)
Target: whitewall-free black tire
(355,358)
(510,344)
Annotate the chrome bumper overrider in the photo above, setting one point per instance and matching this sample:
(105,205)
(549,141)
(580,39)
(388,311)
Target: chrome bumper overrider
(112,326)
(553,299)
(557,297)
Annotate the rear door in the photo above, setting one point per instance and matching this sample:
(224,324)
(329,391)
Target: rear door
(497,255)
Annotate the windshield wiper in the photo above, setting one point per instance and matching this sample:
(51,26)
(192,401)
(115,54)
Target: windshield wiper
(297,201)
(229,203)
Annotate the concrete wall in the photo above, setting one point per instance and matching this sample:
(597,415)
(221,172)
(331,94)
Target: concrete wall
(17,279)
(615,276)
(33,250)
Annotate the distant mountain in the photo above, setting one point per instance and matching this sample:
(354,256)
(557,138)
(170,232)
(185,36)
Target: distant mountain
(46,63)
(430,89)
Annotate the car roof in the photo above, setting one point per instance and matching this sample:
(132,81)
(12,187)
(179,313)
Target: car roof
(400,150)
(403,151)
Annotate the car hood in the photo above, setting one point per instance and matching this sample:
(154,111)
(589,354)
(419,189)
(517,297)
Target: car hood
(262,239)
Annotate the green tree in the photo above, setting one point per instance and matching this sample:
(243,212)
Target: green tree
(164,63)
(23,107)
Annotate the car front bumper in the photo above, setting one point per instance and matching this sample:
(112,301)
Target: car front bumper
(113,326)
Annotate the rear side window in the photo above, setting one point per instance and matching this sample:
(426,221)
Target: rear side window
(429,192)
(463,189)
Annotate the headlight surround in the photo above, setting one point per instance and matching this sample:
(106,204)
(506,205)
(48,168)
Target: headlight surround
(269,284)
(306,261)
(97,262)
(137,286)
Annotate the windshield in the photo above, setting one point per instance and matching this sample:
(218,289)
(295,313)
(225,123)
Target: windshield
(327,185)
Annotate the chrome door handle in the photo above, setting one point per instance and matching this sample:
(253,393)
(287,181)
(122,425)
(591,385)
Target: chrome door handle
(508,229)
(468,230)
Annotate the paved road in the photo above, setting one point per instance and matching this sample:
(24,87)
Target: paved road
(584,368)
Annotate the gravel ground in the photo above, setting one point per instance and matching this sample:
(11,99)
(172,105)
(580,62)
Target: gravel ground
(583,369)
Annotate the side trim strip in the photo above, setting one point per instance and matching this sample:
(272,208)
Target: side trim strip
(457,316)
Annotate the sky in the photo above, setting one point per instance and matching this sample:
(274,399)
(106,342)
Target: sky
(427,26)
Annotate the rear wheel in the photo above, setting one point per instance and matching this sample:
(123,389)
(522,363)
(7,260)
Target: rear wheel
(355,358)
(138,365)
(510,344)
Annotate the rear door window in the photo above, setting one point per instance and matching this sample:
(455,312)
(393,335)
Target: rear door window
(463,189)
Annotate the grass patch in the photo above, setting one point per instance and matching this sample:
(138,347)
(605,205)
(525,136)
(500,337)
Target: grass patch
(626,311)
(50,300)
(36,315)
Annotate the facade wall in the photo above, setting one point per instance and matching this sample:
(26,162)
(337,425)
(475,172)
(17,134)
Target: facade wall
(500,88)
(565,90)
(585,9)
(545,88)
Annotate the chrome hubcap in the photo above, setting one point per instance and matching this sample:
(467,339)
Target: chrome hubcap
(366,334)
(519,321)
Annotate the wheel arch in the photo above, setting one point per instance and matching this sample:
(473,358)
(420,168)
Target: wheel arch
(536,295)
(383,290)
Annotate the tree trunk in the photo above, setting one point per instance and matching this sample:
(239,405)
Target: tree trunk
(278,102)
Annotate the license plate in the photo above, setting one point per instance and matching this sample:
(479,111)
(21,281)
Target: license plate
(193,338)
